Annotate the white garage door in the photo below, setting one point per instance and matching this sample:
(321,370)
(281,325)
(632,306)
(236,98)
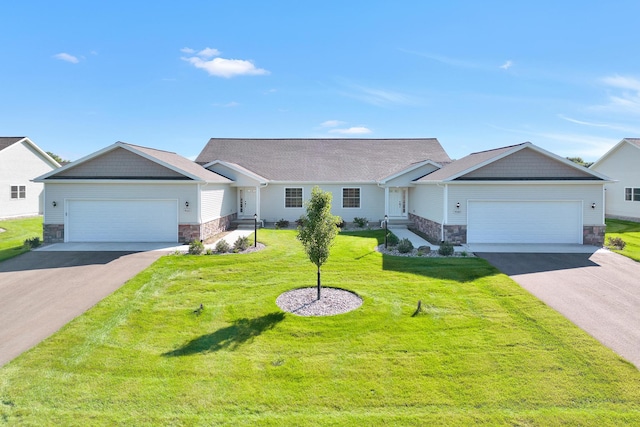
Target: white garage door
(122,221)
(524,222)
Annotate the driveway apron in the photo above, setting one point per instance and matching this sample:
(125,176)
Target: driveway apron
(42,291)
(599,292)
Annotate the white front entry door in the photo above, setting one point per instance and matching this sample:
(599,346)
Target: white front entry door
(397,202)
(247,202)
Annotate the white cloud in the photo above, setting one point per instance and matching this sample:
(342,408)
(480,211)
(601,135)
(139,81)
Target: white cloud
(331,123)
(614,126)
(628,101)
(187,50)
(356,130)
(379,97)
(444,59)
(66,57)
(221,67)
(508,64)
(622,82)
(208,53)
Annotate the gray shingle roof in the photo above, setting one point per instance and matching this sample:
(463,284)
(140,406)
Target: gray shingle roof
(634,141)
(6,141)
(323,160)
(466,163)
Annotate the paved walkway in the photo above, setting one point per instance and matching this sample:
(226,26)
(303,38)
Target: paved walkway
(417,241)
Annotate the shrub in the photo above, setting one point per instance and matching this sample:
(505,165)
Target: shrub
(616,243)
(196,247)
(241,244)
(209,251)
(223,246)
(446,249)
(300,221)
(405,246)
(341,223)
(33,242)
(392,239)
(282,223)
(361,221)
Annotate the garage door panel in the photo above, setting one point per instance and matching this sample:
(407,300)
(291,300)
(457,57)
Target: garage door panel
(524,222)
(122,221)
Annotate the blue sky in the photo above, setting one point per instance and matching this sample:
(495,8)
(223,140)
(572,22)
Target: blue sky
(78,76)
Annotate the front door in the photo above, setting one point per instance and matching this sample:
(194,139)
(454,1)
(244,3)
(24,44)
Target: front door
(247,202)
(398,202)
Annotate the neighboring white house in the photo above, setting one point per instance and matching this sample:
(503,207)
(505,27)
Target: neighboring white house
(20,162)
(516,194)
(621,164)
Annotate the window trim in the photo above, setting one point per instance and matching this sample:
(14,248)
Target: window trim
(20,192)
(632,194)
(301,197)
(359,197)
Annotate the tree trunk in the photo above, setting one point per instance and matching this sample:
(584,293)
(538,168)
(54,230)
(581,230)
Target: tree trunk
(318,283)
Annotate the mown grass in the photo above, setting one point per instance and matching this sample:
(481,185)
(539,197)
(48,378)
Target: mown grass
(482,352)
(629,232)
(17,231)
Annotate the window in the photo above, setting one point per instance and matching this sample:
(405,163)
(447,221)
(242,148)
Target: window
(632,194)
(18,192)
(350,197)
(293,197)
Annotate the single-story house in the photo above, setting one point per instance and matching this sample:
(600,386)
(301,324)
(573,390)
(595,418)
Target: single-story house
(622,197)
(20,162)
(513,194)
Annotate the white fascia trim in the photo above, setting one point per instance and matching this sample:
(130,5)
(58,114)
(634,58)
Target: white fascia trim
(239,169)
(409,169)
(611,151)
(531,182)
(47,157)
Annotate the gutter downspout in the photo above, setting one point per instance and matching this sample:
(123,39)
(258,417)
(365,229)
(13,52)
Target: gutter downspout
(444,210)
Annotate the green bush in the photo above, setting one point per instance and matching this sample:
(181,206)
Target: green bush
(341,223)
(223,246)
(241,244)
(209,251)
(196,247)
(282,223)
(361,221)
(33,242)
(392,239)
(300,221)
(405,246)
(446,249)
(616,243)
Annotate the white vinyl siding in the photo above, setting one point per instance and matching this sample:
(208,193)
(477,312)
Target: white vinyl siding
(351,198)
(121,221)
(59,192)
(426,200)
(20,164)
(516,221)
(587,193)
(217,200)
(293,197)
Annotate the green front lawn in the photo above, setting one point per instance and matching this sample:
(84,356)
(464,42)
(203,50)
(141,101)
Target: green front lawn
(484,351)
(629,232)
(17,231)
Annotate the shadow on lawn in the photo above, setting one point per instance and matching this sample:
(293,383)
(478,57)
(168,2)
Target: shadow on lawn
(231,337)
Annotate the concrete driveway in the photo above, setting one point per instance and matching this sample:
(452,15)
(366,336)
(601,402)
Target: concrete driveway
(599,292)
(41,291)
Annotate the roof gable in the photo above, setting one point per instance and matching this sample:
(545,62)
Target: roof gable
(513,163)
(132,162)
(323,160)
(8,141)
(631,142)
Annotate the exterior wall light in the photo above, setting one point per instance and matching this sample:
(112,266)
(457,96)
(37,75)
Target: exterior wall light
(593,205)
(186,204)
(54,204)
(458,205)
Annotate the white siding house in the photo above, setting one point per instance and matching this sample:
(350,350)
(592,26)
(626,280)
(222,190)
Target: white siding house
(20,162)
(622,197)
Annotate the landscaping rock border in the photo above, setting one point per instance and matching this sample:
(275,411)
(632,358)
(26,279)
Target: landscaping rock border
(303,302)
(416,253)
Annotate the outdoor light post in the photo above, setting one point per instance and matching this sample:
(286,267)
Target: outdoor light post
(386,219)
(255,230)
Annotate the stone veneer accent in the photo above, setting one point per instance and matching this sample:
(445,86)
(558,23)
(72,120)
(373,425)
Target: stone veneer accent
(430,228)
(53,233)
(593,235)
(456,234)
(190,232)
